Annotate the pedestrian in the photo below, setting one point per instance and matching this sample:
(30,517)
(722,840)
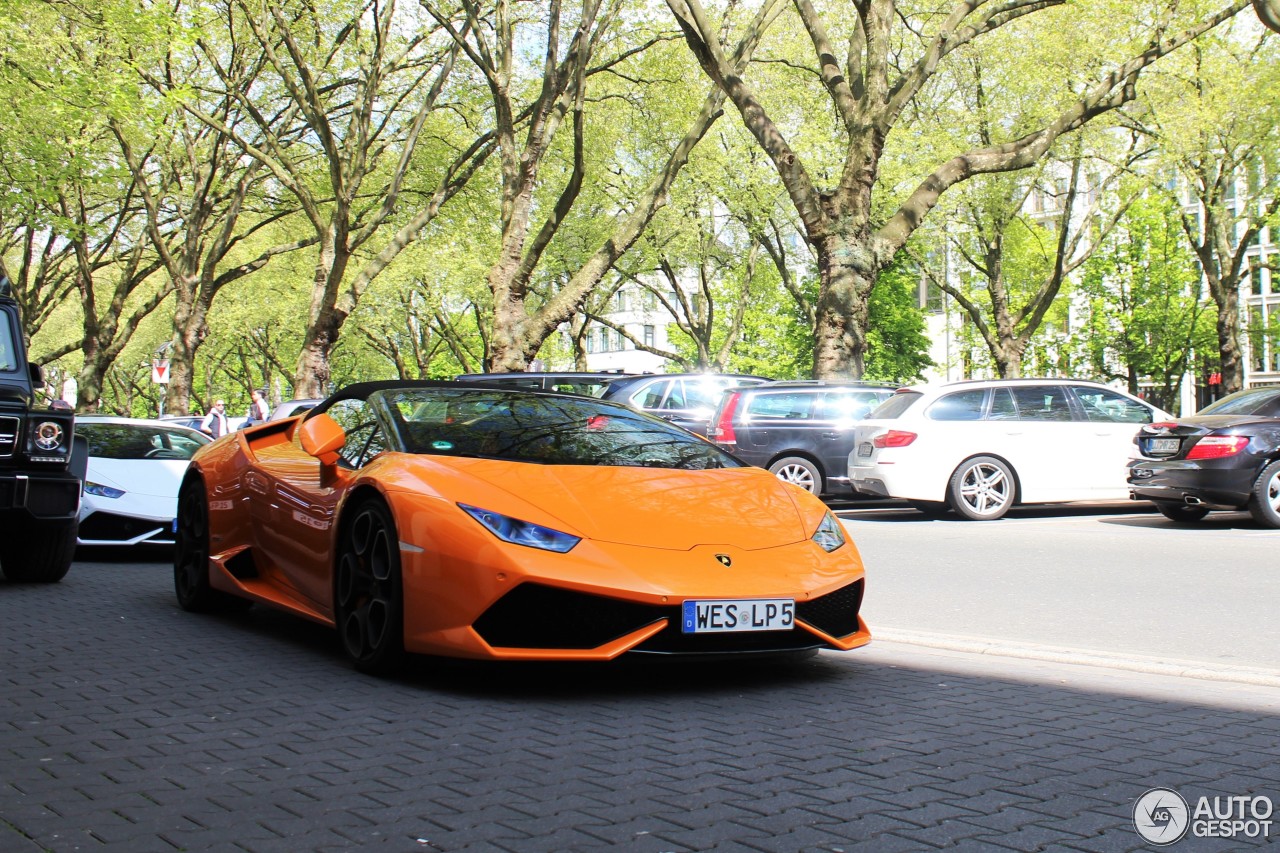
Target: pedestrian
(258,409)
(215,423)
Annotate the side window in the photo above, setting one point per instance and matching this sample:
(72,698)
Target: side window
(1042,402)
(675,398)
(364,437)
(959,406)
(1108,406)
(650,397)
(783,406)
(1002,407)
(847,405)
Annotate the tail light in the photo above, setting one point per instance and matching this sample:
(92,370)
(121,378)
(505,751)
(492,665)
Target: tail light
(722,431)
(894,438)
(1218,446)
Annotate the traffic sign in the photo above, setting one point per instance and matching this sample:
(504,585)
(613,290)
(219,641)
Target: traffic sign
(160,371)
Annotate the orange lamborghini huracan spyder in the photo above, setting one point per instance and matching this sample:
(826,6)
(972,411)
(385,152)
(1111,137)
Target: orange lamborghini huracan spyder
(464,520)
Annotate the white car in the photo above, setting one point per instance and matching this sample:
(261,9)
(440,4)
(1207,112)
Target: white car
(980,447)
(131,487)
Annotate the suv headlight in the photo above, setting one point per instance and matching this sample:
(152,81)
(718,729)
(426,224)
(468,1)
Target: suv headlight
(830,533)
(48,438)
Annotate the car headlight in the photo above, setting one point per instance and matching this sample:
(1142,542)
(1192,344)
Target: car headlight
(519,532)
(101,491)
(830,533)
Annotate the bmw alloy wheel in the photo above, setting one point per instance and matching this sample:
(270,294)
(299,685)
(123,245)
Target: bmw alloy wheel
(982,489)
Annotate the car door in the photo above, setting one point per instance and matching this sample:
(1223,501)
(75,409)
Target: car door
(1112,420)
(1047,444)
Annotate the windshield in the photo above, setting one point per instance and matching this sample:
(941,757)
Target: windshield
(139,441)
(1250,402)
(8,352)
(550,430)
(895,405)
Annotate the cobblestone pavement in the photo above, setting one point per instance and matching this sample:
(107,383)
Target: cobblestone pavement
(130,725)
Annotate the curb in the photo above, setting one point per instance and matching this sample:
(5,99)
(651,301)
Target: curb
(1083,657)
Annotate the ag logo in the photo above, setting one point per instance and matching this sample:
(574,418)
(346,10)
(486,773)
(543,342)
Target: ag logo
(724,559)
(1161,816)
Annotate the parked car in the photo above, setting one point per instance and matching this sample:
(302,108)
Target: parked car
(1226,456)
(686,399)
(291,408)
(131,486)
(468,521)
(188,421)
(980,447)
(802,431)
(587,383)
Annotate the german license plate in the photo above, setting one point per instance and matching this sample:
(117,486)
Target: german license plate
(1168,446)
(864,449)
(755,614)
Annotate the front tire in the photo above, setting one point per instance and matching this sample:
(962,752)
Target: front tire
(982,489)
(799,472)
(42,552)
(1264,500)
(369,597)
(1182,513)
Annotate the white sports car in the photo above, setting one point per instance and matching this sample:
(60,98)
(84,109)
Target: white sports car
(131,488)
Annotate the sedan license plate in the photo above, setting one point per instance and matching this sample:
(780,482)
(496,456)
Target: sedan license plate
(755,614)
(864,449)
(1164,446)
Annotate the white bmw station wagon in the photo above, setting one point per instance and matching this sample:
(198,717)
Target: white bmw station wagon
(980,447)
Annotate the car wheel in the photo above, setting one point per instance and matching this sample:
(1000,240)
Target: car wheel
(42,552)
(370,607)
(982,489)
(1181,512)
(1264,500)
(191,554)
(798,471)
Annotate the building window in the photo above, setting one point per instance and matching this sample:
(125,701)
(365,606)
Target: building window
(648,335)
(650,300)
(589,341)
(620,340)
(622,300)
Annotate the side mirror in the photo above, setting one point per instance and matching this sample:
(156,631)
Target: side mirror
(322,437)
(37,375)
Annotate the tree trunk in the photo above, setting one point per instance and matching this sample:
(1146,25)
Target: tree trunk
(1232,367)
(847,275)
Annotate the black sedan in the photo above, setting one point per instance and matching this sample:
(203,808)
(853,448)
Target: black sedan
(1227,456)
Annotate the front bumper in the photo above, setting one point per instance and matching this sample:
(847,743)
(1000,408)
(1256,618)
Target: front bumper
(53,496)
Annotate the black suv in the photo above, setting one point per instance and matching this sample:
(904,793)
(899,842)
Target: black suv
(802,431)
(39,482)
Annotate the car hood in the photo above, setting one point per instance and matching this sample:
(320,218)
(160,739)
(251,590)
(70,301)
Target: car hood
(648,507)
(154,477)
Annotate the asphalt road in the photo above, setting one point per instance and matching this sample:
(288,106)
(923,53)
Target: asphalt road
(128,725)
(1118,579)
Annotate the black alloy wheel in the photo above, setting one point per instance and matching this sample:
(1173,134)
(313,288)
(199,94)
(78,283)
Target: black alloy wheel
(369,597)
(1182,513)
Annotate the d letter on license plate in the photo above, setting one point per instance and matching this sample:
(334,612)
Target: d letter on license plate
(756,614)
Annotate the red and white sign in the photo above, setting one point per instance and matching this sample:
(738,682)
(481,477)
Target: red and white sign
(160,371)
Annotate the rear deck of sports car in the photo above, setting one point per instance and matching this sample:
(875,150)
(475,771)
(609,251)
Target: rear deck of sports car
(536,616)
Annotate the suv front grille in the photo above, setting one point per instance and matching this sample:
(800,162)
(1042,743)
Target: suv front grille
(9,429)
